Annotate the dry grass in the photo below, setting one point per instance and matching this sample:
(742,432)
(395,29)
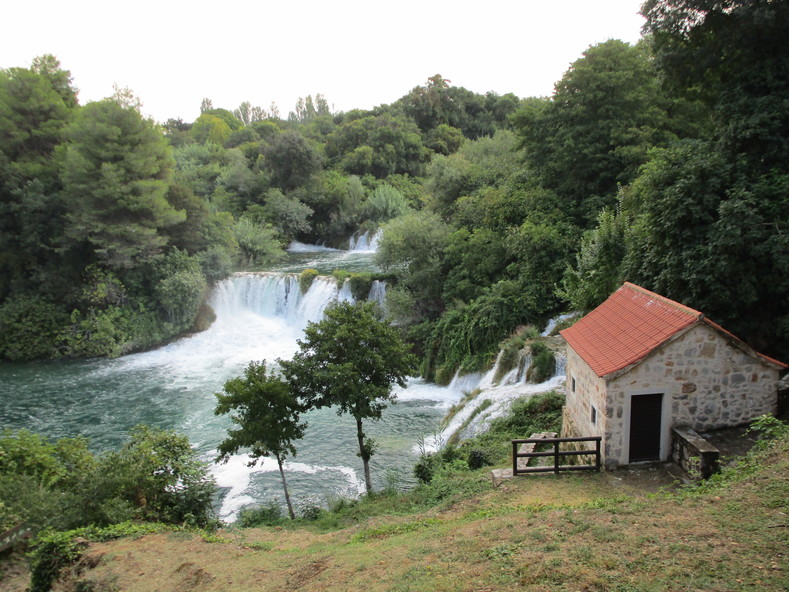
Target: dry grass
(590,533)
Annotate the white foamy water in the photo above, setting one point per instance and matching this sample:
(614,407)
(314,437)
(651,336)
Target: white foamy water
(365,242)
(500,394)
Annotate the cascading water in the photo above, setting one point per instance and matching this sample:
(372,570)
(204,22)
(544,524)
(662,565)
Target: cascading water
(490,395)
(365,241)
(259,316)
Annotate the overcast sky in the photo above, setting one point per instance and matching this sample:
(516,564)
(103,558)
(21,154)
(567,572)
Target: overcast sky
(357,53)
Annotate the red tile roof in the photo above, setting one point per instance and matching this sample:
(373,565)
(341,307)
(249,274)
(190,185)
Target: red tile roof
(630,324)
(626,327)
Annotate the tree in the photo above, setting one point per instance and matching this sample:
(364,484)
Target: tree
(158,474)
(350,360)
(258,242)
(414,246)
(291,160)
(385,203)
(287,214)
(606,112)
(210,129)
(116,170)
(725,249)
(36,105)
(267,416)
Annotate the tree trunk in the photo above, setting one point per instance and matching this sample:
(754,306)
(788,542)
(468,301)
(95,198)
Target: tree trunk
(365,457)
(285,487)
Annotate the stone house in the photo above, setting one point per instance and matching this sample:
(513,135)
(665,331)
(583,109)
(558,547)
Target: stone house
(641,365)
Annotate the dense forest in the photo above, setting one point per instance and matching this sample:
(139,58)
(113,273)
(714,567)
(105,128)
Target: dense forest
(665,163)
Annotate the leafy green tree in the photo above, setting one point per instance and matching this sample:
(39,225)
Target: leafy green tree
(598,271)
(193,234)
(36,105)
(734,212)
(248,114)
(156,475)
(181,289)
(594,133)
(30,327)
(267,416)
(385,203)
(478,164)
(475,260)
(231,120)
(444,139)
(258,243)
(210,129)
(116,170)
(290,160)
(413,246)
(539,254)
(378,145)
(287,214)
(350,360)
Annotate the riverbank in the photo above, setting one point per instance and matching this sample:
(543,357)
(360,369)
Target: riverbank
(592,532)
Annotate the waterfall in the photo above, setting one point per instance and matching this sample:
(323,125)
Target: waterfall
(475,415)
(279,295)
(365,241)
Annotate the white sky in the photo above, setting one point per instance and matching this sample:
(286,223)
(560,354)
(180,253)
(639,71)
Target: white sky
(357,53)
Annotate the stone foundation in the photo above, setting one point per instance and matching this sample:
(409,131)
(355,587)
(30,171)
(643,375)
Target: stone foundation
(693,453)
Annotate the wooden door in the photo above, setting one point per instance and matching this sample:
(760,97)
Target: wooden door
(645,422)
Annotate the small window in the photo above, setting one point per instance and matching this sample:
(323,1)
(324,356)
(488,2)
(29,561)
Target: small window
(594,415)
(573,387)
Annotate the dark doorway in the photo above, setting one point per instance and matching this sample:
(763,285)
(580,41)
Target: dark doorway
(645,419)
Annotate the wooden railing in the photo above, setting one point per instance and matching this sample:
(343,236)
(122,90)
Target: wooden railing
(524,449)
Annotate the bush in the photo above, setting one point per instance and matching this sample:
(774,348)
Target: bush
(266,515)
(98,333)
(543,363)
(159,474)
(30,328)
(385,203)
(215,263)
(478,458)
(538,413)
(425,467)
(306,278)
(360,285)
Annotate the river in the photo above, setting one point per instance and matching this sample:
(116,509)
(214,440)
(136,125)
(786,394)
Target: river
(259,316)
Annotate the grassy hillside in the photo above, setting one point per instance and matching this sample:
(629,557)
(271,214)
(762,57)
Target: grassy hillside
(599,532)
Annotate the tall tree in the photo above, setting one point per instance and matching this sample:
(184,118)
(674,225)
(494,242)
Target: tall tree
(731,190)
(594,133)
(350,360)
(291,160)
(36,105)
(267,416)
(116,169)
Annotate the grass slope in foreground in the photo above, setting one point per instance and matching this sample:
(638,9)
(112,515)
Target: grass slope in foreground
(575,533)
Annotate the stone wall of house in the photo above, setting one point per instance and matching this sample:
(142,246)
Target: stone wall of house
(710,384)
(583,391)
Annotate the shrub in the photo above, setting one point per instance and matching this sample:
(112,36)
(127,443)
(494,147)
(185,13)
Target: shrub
(30,328)
(216,263)
(478,458)
(543,363)
(306,278)
(360,285)
(265,515)
(425,467)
